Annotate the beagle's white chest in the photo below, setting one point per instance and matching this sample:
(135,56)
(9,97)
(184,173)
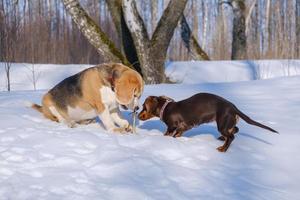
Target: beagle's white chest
(108,96)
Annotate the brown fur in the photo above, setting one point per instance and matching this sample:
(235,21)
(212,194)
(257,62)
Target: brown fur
(198,109)
(83,90)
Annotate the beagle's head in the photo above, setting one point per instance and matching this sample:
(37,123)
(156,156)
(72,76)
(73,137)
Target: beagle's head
(128,86)
(152,107)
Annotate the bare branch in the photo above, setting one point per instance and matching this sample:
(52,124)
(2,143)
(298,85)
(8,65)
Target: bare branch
(167,24)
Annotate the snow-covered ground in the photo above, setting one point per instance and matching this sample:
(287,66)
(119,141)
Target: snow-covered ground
(228,71)
(40,159)
(25,76)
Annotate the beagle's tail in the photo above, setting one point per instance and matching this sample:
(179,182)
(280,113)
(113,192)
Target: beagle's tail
(36,107)
(44,110)
(252,122)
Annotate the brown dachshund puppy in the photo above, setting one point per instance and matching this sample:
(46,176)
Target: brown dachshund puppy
(201,108)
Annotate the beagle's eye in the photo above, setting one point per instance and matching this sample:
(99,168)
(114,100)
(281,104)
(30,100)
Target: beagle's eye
(136,93)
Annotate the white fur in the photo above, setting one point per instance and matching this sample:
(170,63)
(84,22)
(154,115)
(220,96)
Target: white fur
(111,114)
(80,114)
(108,96)
(56,114)
(106,119)
(60,118)
(117,118)
(134,103)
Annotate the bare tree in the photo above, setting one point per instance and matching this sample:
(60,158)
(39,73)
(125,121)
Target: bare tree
(46,33)
(154,13)
(34,75)
(93,32)
(126,40)
(205,23)
(248,17)
(298,28)
(239,40)
(151,53)
(9,36)
(190,41)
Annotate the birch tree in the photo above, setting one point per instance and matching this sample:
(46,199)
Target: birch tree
(93,32)
(190,41)
(151,52)
(239,40)
(154,13)
(298,28)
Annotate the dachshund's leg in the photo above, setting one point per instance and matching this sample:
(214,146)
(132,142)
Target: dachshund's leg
(226,126)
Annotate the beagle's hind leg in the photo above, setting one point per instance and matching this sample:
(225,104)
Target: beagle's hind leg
(86,121)
(62,117)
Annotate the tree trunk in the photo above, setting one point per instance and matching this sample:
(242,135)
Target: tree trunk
(195,19)
(152,53)
(239,40)
(93,33)
(268,26)
(297,28)
(249,14)
(148,54)
(127,44)
(7,67)
(190,42)
(154,13)
(205,23)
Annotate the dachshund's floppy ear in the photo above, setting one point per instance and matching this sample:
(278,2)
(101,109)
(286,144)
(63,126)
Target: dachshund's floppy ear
(167,98)
(153,102)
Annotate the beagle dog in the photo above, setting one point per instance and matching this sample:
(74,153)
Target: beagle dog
(96,91)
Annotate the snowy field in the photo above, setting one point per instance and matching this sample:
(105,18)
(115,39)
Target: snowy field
(44,76)
(40,159)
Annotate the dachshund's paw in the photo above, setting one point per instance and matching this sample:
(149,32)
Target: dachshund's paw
(221,149)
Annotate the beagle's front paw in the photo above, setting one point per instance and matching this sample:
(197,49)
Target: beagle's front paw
(124,129)
(70,124)
(118,130)
(129,128)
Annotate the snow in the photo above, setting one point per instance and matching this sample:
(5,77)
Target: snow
(40,159)
(229,71)
(48,75)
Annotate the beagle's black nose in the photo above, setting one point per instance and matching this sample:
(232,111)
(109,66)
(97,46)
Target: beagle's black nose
(136,108)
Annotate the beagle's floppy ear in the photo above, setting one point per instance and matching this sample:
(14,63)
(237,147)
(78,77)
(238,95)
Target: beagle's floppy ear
(115,74)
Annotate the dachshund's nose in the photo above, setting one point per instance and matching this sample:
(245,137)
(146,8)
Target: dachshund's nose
(141,116)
